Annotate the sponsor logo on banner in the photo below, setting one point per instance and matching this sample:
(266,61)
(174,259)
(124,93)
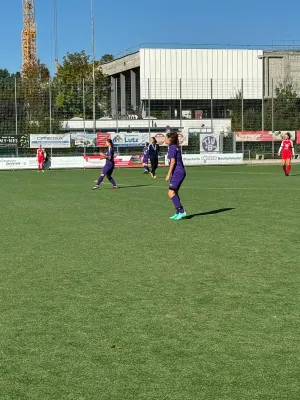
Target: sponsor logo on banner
(52,141)
(262,136)
(8,141)
(102,138)
(134,139)
(209,142)
(211,159)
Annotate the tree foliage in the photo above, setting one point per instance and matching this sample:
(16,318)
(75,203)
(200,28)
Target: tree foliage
(282,113)
(74,75)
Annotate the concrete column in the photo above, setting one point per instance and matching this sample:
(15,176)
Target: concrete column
(113,96)
(123,94)
(133,89)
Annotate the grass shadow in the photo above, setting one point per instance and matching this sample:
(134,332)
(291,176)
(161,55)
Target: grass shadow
(212,212)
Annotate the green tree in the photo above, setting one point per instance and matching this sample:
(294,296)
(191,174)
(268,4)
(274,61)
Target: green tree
(106,58)
(7,102)
(68,87)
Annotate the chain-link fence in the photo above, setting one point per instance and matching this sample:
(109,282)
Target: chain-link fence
(194,106)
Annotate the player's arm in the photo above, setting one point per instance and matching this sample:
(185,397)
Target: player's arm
(293,150)
(171,168)
(280,149)
(109,157)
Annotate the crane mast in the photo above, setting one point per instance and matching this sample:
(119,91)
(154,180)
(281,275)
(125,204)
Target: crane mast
(29,56)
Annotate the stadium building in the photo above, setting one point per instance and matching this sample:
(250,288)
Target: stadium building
(183,83)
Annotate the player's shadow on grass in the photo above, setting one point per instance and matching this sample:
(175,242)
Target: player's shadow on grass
(212,212)
(131,186)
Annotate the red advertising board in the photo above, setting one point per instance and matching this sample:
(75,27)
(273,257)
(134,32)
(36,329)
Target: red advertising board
(101,139)
(298,137)
(262,136)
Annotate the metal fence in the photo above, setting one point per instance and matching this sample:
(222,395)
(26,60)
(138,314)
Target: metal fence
(197,106)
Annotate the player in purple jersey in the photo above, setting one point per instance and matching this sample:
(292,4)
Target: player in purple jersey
(176,174)
(109,166)
(146,158)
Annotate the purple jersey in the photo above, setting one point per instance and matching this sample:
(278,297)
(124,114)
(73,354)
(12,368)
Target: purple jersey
(174,152)
(110,153)
(145,154)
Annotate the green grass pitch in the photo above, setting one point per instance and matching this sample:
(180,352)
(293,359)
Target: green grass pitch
(104,298)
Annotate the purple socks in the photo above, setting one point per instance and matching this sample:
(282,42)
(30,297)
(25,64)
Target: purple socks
(112,181)
(177,203)
(100,180)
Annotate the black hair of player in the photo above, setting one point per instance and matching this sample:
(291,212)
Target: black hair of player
(146,144)
(289,135)
(154,140)
(110,142)
(173,136)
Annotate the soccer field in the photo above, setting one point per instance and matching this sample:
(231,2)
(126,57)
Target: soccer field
(104,298)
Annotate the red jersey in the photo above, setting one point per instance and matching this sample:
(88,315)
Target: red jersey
(40,154)
(287,148)
(287,145)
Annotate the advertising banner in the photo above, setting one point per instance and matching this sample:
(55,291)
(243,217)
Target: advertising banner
(160,138)
(211,159)
(99,162)
(66,162)
(209,142)
(50,141)
(262,136)
(134,139)
(102,138)
(8,141)
(18,163)
(298,137)
(79,139)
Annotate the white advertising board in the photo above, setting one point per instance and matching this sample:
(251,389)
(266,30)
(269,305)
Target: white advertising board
(50,141)
(211,159)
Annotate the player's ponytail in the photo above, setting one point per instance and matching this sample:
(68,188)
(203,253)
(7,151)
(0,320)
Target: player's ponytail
(289,135)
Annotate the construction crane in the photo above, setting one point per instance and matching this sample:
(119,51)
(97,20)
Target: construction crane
(29,56)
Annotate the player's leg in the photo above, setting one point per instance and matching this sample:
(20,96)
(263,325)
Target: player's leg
(111,179)
(173,194)
(288,166)
(283,162)
(152,161)
(100,180)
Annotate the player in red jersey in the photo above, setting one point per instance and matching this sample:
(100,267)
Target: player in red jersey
(40,153)
(287,153)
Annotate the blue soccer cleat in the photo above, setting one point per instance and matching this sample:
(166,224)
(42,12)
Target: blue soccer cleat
(174,216)
(180,215)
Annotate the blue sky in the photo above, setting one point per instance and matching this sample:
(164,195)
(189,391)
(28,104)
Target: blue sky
(123,24)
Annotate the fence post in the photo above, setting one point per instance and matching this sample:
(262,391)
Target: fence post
(117,104)
(211,106)
(242,95)
(233,142)
(50,108)
(16,114)
(149,111)
(273,105)
(180,103)
(83,114)
(263,99)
